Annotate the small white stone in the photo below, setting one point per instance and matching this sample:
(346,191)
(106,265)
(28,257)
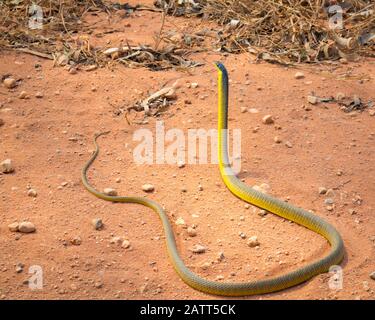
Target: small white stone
(32,193)
(191,232)
(253,241)
(13,226)
(26,227)
(110,192)
(125,244)
(322,190)
(180,222)
(268,119)
(288,144)
(6,166)
(253,110)
(148,187)
(116,240)
(194,85)
(9,83)
(299,75)
(23,95)
(181,164)
(198,248)
(312,99)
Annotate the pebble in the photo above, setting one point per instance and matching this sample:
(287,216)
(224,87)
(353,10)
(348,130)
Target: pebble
(253,241)
(32,193)
(39,95)
(148,187)
(288,144)
(267,119)
(180,222)
(253,110)
(198,249)
(125,244)
(97,223)
(181,164)
(23,95)
(76,241)
(6,166)
(110,192)
(19,267)
(13,226)
(194,85)
(26,227)
(322,190)
(243,109)
(191,232)
(242,235)
(312,99)
(328,201)
(220,256)
(372,275)
(277,139)
(116,240)
(10,83)
(262,213)
(299,75)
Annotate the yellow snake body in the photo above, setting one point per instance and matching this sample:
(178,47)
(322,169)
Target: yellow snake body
(251,196)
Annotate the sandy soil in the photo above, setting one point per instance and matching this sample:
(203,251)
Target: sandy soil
(49,139)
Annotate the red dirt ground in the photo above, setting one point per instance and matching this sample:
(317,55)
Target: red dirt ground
(324,140)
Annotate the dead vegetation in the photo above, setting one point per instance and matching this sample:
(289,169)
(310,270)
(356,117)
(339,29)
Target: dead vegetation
(287,31)
(282,31)
(64,35)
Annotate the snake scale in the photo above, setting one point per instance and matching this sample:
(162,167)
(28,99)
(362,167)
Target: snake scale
(250,195)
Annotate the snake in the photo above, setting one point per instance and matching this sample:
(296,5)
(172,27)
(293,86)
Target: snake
(250,195)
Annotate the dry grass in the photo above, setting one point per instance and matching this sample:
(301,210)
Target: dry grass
(286,30)
(63,36)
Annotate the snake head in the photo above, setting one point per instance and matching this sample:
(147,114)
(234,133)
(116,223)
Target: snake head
(220,67)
